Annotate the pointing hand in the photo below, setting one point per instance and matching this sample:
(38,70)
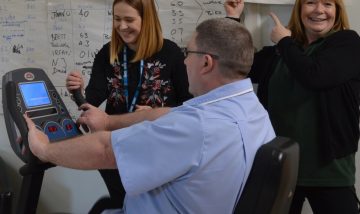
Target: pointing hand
(279,31)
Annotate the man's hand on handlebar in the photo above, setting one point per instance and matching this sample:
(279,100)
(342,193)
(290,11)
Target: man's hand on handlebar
(94,118)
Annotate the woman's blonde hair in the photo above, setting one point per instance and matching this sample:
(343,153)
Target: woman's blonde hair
(297,28)
(150,39)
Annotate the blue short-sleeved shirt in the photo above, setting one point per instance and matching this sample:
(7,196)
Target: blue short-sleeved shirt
(196,158)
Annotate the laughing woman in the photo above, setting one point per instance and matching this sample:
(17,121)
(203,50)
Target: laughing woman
(310,82)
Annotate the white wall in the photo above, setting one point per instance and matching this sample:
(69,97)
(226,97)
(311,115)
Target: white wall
(66,190)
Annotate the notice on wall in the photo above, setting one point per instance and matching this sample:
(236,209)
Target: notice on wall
(23,34)
(77,30)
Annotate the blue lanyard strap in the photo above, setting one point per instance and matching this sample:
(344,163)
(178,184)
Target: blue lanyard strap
(126,82)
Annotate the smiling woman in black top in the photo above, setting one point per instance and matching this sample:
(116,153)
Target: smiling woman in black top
(310,82)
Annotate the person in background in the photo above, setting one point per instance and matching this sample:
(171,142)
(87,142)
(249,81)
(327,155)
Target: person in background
(194,158)
(137,69)
(309,83)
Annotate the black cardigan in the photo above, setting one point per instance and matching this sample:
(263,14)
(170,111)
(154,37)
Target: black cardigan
(334,72)
(164,76)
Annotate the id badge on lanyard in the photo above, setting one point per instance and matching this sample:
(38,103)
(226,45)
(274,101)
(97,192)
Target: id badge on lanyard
(130,107)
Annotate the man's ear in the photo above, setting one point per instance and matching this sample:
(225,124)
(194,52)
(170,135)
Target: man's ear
(208,64)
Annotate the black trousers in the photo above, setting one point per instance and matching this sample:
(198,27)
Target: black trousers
(116,190)
(326,200)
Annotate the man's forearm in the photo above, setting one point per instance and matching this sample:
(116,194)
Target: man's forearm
(91,151)
(126,120)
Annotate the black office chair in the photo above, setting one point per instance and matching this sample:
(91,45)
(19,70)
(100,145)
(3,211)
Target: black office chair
(270,186)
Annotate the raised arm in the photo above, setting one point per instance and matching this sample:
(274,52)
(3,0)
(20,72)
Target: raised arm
(234,8)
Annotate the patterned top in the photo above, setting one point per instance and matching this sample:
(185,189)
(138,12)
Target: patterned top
(163,82)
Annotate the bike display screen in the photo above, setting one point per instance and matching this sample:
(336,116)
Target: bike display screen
(35,94)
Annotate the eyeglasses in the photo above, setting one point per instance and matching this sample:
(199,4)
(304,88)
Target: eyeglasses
(186,53)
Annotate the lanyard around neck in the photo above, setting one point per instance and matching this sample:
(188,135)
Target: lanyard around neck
(130,107)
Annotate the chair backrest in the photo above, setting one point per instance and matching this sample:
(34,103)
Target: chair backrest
(271,183)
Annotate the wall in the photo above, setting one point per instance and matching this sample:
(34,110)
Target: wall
(66,190)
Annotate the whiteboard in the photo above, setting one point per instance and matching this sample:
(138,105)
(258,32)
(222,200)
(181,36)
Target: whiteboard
(63,35)
(59,36)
